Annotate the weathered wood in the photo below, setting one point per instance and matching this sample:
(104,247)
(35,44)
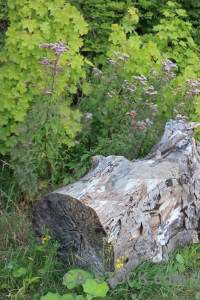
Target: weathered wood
(144,208)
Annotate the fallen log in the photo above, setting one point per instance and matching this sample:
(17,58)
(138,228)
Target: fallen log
(141,209)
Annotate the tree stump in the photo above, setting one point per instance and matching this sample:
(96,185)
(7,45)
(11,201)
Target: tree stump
(143,209)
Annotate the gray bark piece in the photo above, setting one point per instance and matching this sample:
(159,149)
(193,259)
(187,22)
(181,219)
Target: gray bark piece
(143,208)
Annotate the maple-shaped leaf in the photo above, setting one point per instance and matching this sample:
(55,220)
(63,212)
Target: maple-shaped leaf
(29,24)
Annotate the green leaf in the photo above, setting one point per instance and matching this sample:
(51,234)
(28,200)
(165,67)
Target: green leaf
(85,156)
(80,297)
(52,296)
(6,287)
(171,4)
(181,268)
(86,87)
(45,27)
(75,277)
(30,24)
(181,12)
(19,272)
(197,297)
(68,297)
(94,288)
(180,259)
(88,62)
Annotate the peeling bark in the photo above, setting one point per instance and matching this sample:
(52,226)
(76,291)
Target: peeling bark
(143,209)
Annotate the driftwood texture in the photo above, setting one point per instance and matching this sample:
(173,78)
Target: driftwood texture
(143,208)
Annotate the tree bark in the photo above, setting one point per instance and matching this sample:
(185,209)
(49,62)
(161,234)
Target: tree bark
(142,209)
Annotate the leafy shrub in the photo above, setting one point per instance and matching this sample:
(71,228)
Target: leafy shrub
(3,21)
(174,37)
(149,13)
(100,15)
(46,151)
(192,8)
(116,110)
(31,23)
(49,125)
(127,116)
(144,53)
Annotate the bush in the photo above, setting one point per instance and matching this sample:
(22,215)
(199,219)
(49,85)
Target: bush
(32,23)
(49,127)
(127,116)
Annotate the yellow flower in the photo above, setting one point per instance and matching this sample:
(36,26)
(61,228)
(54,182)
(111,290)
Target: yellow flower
(44,238)
(120,261)
(119,265)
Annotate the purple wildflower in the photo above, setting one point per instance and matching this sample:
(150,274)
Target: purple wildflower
(89,116)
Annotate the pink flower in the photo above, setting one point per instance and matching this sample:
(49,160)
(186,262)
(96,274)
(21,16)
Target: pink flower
(180,117)
(45,61)
(181,105)
(175,111)
(149,122)
(125,55)
(141,125)
(88,116)
(116,53)
(133,113)
(48,93)
(111,61)
(76,142)
(59,48)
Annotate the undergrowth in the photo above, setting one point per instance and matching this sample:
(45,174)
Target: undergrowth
(30,270)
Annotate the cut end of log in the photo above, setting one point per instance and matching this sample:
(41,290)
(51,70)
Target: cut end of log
(76,227)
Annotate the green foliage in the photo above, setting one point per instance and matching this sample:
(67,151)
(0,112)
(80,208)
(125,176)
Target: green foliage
(52,296)
(3,21)
(72,279)
(174,37)
(45,149)
(110,124)
(149,13)
(192,8)
(125,114)
(91,288)
(25,266)
(180,261)
(49,125)
(19,272)
(144,53)
(100,16)
(31,23)
(140,17)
